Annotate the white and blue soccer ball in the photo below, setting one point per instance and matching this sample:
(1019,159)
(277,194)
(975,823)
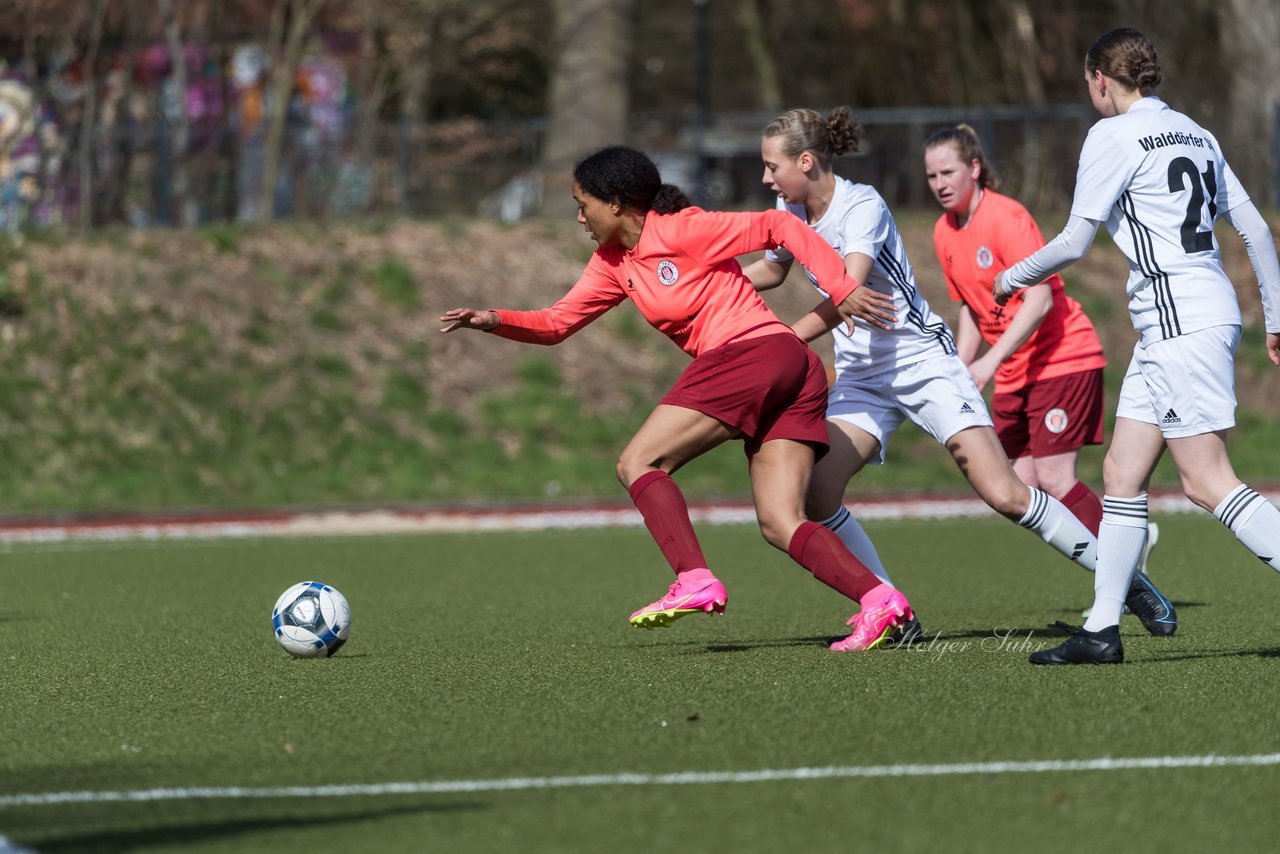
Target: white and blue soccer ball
(311,620)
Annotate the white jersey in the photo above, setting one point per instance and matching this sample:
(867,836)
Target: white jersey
(858,220)
(1160,182)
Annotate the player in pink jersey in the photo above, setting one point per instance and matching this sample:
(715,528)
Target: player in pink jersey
(751,377)
(1043,352)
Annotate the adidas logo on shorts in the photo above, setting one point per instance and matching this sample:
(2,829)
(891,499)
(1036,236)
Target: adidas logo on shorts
(1171,417)
(966,409)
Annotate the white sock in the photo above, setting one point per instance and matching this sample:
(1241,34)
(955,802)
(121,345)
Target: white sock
(1058,527)
(1121,537)
(844,526)
(1255,521)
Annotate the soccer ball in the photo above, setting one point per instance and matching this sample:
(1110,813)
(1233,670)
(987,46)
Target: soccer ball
(311,620)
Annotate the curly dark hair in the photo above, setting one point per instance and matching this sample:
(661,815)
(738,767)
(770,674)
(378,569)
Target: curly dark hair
(629,178)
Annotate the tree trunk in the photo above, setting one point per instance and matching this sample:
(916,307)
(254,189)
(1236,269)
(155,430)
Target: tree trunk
(124,133)
(1017,41)
(413,99)
(298,15)
(756,44)
(371,90)
(180,135)
(588,89)
(228,202)
(30,68)
(1250,33)
(88,120)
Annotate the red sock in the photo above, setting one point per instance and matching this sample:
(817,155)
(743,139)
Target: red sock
(820,551)
(1084,505)
(666,516)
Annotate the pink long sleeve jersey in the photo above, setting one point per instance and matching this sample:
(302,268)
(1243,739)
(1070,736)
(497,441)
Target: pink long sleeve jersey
(684,276)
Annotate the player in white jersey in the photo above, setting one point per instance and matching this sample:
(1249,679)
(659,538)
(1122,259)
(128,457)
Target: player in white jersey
(1159,182)
(894,365)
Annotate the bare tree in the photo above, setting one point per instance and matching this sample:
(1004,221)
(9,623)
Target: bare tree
(1017,42)
(372,83)
(411,44)
(287,36)
(226,204)
(587,101)
(756,45)
(1250,33)
(30,69)
(88,120)
(181,132)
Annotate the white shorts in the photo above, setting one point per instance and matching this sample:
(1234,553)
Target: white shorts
(1186,385)
(938,394)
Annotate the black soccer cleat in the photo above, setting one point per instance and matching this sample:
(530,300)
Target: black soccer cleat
(907,633)
(1150,606)
(1101,647)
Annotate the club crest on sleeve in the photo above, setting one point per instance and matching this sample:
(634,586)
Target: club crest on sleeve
(984,258)
(667,273)
(1055,420)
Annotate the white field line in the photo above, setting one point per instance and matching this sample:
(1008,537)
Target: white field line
(507,784)
(371,522)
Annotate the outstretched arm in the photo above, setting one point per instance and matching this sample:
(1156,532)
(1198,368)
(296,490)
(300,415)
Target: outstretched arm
(594,293)
(1256,234)
(468,318)
(1064,250)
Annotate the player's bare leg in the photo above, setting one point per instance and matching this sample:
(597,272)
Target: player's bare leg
(1210,481)
(980,458)
(1206,471)
(1056,473)
(780,474)
(1025,468)
(669,438)
(851,448)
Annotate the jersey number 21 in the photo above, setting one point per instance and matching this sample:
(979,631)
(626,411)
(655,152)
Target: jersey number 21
(1181,173)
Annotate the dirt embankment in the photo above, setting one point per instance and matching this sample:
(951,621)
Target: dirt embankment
(282,279)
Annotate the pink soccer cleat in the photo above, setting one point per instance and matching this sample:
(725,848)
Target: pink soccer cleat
(683,598)
(883,610)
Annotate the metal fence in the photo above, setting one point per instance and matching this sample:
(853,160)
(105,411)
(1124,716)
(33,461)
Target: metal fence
(469,167)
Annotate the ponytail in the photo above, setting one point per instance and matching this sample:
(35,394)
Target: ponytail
(669,199)
(969,147)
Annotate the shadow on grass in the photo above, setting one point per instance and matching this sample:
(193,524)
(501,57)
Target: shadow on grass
(115,841)
(1045,631)
(1178,604)
(339,656)
(1273,652)
(747,646)
(701,646)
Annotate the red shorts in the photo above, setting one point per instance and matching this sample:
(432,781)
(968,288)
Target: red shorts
(771,387)
(1050,416)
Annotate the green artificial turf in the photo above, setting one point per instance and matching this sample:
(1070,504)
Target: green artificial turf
(491,656)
